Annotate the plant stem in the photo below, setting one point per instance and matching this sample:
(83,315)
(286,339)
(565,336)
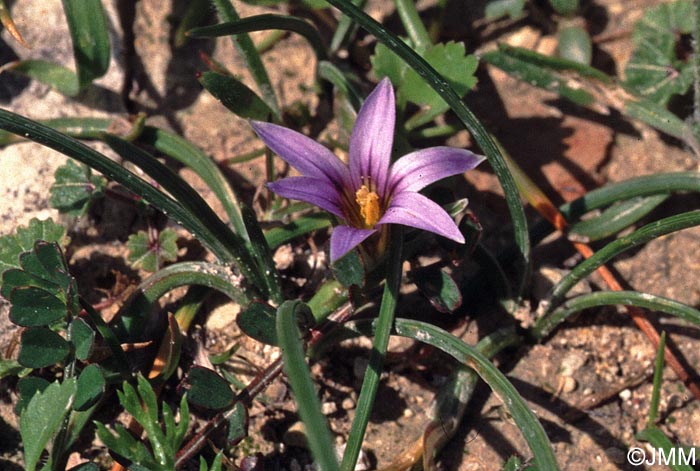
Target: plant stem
(413,24)
(370,384)
(696,68)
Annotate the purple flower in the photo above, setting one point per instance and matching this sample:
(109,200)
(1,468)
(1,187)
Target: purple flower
(370,192)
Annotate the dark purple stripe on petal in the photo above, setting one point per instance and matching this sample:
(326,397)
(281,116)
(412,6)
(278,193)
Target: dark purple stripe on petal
(416,170)
(372,138)
(415,210)
(318,192)
(309,157)
(345,238)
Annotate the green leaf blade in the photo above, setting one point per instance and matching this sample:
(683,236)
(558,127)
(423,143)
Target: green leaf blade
(41,347)
(42,418)
(90,34)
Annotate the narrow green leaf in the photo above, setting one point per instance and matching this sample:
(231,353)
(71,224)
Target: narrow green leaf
(34,307)
(233,245)
(190,219)
(646,185)
(41,347)
(616,218)
(64,80)
(91,386)
(329,297)
(186,153)
(258,322)
(659,441)
(109,337)
(303,225)
(413,24)
(638,237)
(317,432)
(656,383)
(266,22)
(521,413)
(82,337)
(328,71)
(659,117)
(370,383)
(538,76)
(208,390)
(197,12)
(263,255)
(546,324)
(235,96)
(245,47)
(90,34)
(43,417)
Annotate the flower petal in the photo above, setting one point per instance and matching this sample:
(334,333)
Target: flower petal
(372,138)
(415,210)
(309,157)
(317,191)
(345,238)
(416,170)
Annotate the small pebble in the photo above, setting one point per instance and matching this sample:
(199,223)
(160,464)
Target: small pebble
(329,408)
(625,394)
(348,403)
(569,385)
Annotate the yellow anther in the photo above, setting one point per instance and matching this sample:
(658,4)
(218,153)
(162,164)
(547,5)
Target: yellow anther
(369,205)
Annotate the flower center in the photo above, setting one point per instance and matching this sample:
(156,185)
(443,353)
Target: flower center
(369,205)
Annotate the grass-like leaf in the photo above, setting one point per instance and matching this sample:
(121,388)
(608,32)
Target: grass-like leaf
(640,236)
(525,419)
(616,218)
(370,383)
(546,324)
(90,34)
(682,457)
(236,96)
(244,45)
(317,431)
(266,22)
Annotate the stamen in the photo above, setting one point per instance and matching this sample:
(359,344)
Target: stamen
(369,205)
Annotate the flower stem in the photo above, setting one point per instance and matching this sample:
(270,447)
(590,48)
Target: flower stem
(384,323)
